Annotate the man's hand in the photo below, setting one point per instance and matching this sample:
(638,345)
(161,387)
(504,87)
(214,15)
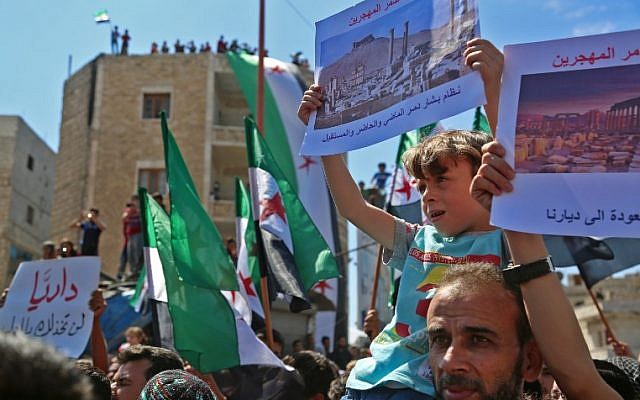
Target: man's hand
(620,348)
(97,303)
(493,176)
(311,101)
(371,324)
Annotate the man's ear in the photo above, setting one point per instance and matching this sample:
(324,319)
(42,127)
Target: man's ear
(532,365)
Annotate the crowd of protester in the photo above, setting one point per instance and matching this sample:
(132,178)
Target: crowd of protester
(496,330)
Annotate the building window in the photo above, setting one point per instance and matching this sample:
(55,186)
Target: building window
(153,179)
(153,103)
(29,215)
(30,162)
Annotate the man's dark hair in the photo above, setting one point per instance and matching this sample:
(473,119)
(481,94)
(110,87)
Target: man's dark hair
(616,378)
(94,210)
(31,370)
(338,388)
(325,338)
(160,359)
(316,370)
(468,277)
(99,381)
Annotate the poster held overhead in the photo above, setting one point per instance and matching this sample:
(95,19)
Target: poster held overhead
(49,300)
(570,123)
(390,67)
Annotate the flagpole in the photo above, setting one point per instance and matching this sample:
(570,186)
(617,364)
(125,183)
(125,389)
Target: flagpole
(607,327)
(264,287)
(260,98)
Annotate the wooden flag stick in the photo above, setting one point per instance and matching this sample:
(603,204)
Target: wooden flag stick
(260,98)
(264,287)
(610,333)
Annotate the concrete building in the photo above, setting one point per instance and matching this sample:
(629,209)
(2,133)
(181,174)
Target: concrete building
(111,142)
(619,299)
(27,172)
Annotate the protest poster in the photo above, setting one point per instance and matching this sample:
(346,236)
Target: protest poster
(388,67)
(49,300)
(570,121)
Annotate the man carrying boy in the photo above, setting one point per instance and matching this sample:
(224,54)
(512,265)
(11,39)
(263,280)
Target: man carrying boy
(444,166)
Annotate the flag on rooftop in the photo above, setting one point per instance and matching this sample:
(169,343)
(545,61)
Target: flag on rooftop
(298,255)
(208,332)
(101,16)
(200,256)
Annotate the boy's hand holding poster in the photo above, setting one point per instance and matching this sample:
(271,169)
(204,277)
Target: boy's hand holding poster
(570,121)
(49,300)
(388,67)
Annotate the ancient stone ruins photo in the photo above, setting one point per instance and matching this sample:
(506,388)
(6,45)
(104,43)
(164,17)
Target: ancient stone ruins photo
(579,122)
(413,49)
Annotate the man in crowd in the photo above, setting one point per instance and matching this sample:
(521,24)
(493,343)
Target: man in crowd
(132,252)
(48,250)
(138,364)
(91,226)
(317,371)
(31,370)
(341,354)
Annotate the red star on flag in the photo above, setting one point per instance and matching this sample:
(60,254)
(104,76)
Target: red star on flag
(272,206)
(276,69)
(406,188)
(322,286)
(308,161)
(246,282)
(233,296)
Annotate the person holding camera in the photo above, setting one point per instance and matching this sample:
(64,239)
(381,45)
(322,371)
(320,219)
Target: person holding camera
(91,226)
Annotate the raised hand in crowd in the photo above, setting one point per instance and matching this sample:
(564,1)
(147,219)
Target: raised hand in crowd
(371,324)
(99,350)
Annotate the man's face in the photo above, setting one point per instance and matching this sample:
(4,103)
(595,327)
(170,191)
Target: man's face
(129,380)
(474,351)
(326,343)
(446,200)
(342,342)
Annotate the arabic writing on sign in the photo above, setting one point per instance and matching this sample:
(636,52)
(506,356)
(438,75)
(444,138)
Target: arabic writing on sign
(43,285)
(53,325)
(631,53)
(600,216)
(377,123)
(370,13)
(581,59)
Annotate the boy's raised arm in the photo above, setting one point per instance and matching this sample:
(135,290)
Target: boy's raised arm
(482,56)
(373,221)
(552,319)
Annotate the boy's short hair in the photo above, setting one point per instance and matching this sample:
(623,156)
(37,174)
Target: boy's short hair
(426,157)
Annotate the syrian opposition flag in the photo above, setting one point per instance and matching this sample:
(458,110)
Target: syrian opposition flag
(596,258)
(404,199)
(283,133)
(297,254)
(208,332)
(200,255)
(480,122)
(247,268)
(101,16)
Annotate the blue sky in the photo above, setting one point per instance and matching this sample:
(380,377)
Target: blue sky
(37,38)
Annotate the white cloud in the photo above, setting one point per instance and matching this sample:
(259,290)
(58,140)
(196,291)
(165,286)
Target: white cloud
(594,29)
(584,11)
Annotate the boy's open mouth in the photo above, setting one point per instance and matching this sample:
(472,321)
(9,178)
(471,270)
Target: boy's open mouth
(435,214)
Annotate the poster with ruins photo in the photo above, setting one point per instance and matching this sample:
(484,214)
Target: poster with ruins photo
(570,121)
(387,67)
